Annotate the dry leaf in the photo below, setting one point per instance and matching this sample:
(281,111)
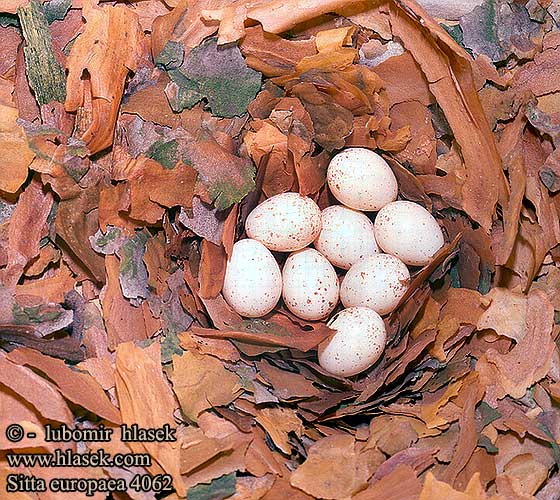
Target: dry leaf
(107,50)
(278,423)
(201,382)
(437,489)
(452,87)
(31,213)
(15,155)
(145,399)
(213,260)
(400,484)
(78,387)
(333,469)
(124,322)
(506,314)
(279,331)
(530,359)
(36,390)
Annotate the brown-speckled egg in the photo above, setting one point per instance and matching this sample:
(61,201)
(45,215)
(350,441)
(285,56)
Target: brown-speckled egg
(253,282)
(357,344)
(361,179)
(346,237)
(310,284)
(377,282)
(285,222)
(408,231)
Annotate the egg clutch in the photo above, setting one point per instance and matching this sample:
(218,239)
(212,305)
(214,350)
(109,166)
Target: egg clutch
(374,255)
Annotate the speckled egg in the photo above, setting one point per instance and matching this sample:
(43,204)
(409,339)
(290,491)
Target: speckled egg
(377,282)
(357,344)
(310,284)
(408,231)
(285,222)
(253,282)
(361,179)
(346,237)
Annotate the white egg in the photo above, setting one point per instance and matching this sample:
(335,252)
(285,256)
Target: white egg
(346,237)
(357,344)
(310,284)
(377,282)
(408,231)
(253,282)
(285,222)
(361,179)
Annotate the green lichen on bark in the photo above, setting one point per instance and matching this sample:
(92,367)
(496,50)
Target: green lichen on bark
(219,488)
(217,74)
(46,76)
(165,153)
(56,10)
(224,194)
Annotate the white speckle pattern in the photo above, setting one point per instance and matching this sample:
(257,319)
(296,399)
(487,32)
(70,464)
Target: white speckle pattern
(377,282)
(408,231)
(361,179)
(357,344)
(346,237)
(285,222)
(253,282)
(310,284)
